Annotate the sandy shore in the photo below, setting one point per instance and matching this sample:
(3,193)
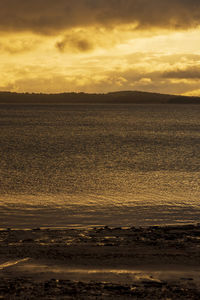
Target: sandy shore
(101,263)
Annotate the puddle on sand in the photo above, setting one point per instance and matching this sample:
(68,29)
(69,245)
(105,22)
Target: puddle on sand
(107,275)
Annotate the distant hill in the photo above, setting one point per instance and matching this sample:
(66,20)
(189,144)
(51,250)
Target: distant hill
(124,97)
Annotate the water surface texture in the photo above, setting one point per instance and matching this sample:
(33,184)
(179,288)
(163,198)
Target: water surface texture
(90,165)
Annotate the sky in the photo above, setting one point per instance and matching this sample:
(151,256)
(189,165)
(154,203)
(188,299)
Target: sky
(99,46)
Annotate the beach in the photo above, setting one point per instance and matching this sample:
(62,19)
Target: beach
(95,201)
(99,150)
(155,262)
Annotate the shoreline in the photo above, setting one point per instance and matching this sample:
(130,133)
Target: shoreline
(93,227)
(104,262)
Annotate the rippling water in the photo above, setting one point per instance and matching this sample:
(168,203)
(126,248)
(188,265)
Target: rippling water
(79,165)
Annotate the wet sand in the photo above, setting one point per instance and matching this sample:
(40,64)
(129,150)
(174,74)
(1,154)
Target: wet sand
(159,262)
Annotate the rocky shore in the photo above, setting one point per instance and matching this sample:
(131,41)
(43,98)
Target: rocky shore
(158,262)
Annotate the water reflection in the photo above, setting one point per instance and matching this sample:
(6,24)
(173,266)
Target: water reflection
(77,164)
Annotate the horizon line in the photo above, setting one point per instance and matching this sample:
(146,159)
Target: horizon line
(97,93)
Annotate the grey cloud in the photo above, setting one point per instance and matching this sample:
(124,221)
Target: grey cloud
(188,73)
(75,43)
(50,16)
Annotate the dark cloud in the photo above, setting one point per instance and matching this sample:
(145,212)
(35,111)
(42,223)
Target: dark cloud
(50,16)
(75,43)
(188,73)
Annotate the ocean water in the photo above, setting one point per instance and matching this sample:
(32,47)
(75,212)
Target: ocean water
(94,165)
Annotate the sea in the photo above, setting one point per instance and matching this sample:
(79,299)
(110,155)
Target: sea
(91,165)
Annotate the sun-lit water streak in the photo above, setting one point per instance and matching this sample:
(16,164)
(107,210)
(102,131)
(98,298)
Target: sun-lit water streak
(103,164)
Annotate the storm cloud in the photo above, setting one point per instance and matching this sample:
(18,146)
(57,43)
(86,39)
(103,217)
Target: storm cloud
(50,16)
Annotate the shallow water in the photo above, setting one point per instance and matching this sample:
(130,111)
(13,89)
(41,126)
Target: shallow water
(91,165)
(114,275)
(8,264)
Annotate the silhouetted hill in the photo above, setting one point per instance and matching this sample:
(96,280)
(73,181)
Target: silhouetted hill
(124,97)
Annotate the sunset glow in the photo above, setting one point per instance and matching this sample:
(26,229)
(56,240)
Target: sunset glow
(60,46)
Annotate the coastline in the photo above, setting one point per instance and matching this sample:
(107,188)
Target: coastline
(101,263)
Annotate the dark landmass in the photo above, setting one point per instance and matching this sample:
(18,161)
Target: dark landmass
(126,97)
(158,262)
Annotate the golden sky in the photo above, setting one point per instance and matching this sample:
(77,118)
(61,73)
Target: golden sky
(56,46)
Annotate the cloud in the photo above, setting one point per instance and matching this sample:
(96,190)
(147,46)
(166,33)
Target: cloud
(50,16)
(88,39)
(75,42)
(7,88)
(192,72)
(130,79)
(18,45)
(155,72)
